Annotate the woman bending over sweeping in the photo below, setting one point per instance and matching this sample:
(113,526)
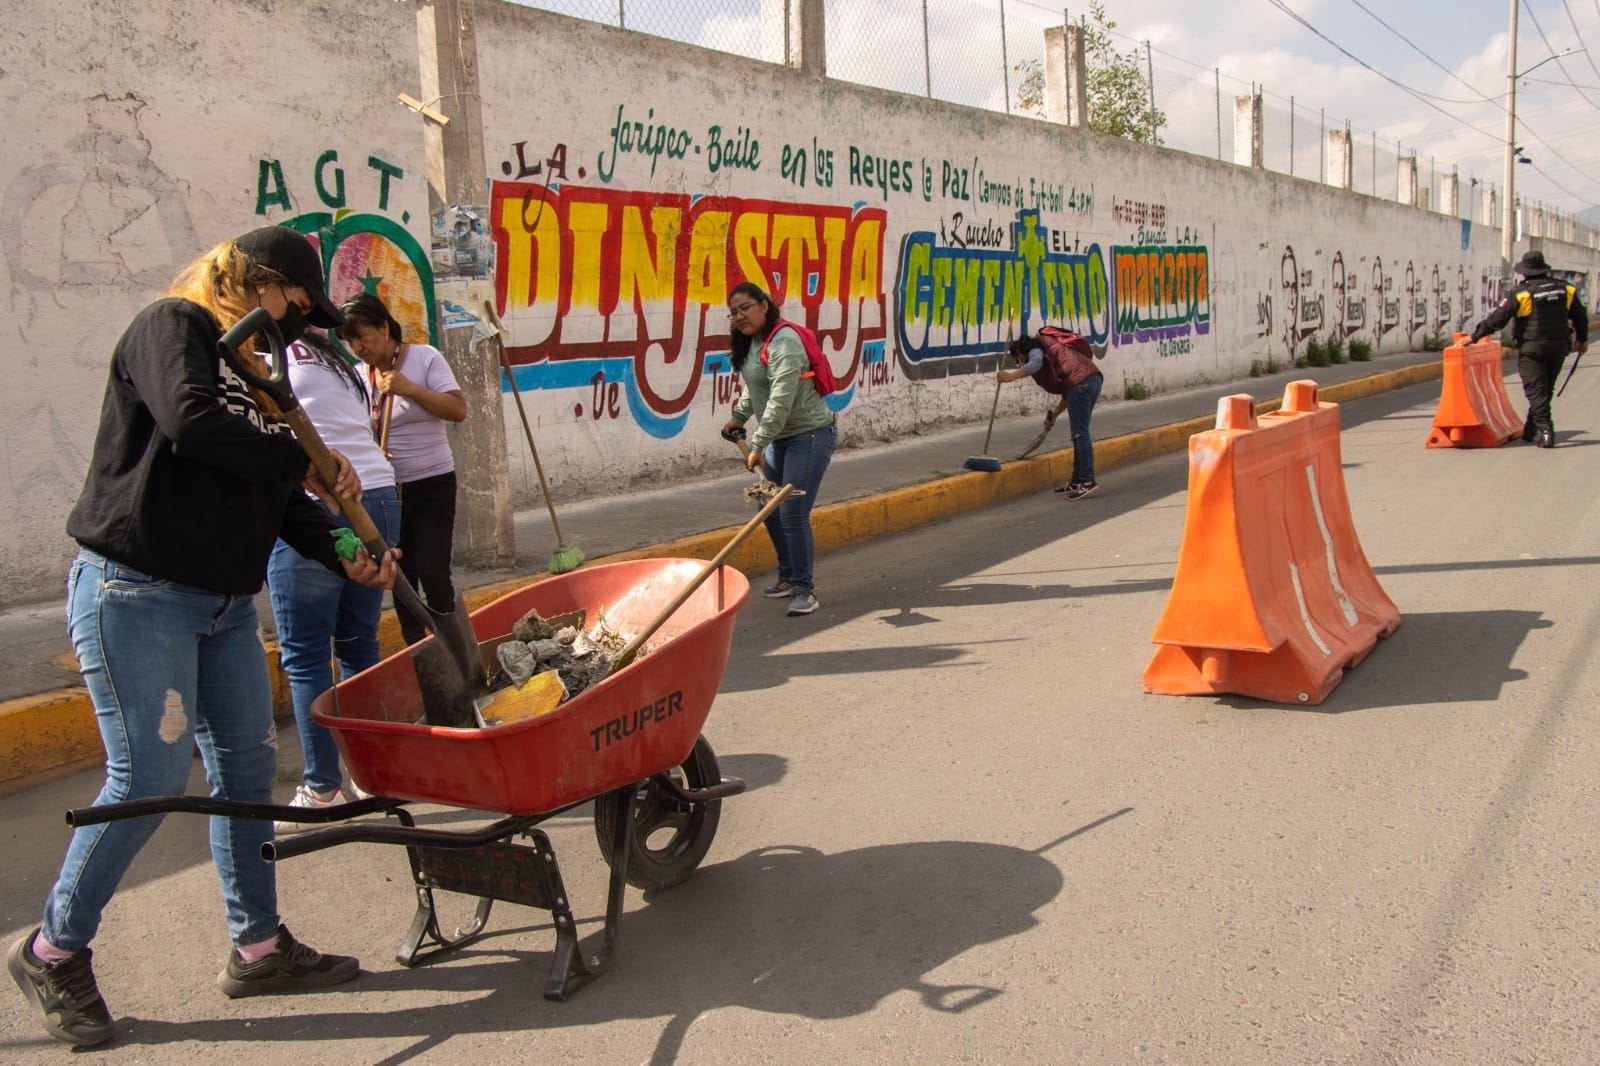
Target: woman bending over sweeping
(794,436)
(192,480)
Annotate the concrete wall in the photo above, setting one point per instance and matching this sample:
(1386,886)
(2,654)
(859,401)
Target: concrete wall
(631,181)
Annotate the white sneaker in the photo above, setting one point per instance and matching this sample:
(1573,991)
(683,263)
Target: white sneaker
(305,797)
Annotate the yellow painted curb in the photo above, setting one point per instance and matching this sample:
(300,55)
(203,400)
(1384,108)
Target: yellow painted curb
(53,733)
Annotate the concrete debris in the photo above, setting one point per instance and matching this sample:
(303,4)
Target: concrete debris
(580,659)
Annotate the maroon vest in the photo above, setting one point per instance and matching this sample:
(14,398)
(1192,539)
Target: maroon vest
(1068,361)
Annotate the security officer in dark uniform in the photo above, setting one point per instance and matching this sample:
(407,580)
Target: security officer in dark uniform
(1543,308)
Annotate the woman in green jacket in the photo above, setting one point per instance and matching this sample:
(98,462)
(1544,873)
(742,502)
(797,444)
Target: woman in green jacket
(794,436)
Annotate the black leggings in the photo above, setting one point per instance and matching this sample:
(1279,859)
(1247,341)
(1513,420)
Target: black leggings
(427,526)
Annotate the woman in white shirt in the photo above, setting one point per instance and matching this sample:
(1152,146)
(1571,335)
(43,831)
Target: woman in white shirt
(414,395)
(312,607)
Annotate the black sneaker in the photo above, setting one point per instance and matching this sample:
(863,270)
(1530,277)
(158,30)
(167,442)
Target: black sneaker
(802,602)
(1078,489)
(294,967)
(64,992)
(1547,438)
(780,590)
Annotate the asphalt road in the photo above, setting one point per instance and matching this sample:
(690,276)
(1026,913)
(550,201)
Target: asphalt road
(970,837)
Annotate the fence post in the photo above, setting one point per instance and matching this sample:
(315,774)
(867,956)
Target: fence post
(1005,59)
(1247,137)
(1340,159)
(1057,106)
(1407,185)
(1218,72)
(1150,76)
(1077,78)
(793,33)
(927,62)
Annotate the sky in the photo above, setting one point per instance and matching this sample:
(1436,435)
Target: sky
(1448,57)
(1453,55)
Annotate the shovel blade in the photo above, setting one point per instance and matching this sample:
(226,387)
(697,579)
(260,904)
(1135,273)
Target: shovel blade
(446,699)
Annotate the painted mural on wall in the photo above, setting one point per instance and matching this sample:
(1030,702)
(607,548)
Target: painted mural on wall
(362,251)
(1390,302)
(615,291)
(605,290)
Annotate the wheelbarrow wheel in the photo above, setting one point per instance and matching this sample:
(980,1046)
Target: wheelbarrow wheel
(670,837)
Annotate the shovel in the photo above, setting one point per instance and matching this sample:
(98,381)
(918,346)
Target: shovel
(450,671)
(631,651)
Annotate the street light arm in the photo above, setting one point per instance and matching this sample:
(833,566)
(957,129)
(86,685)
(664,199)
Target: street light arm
(1542,62)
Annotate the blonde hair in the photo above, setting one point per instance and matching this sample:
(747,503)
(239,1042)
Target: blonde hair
(220,281)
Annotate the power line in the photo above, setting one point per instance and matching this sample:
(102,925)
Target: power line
(1471,88)
(1581,42)
(1553,55)
(1424,98)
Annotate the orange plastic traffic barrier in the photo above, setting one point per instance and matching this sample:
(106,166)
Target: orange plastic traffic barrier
(1474,410)
(1273,596)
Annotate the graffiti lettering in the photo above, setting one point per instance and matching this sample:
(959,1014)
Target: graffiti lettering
(954,182)
(1046,197)
(887,175)
(524,169)
(334,199)
(1138,213)
(633,284)
(741,151)
(273,191)
(647,138)
(957,301)
(990,193)
(976,235)
(606,398)
(1161,292)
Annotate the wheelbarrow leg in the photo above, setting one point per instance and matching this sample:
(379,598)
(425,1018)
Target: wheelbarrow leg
(568,971)
(425,939)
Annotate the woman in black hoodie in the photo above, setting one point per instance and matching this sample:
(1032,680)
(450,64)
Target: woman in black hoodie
(192,480)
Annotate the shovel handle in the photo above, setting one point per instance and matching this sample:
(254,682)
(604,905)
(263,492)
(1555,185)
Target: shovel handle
(631,651)
(282,393)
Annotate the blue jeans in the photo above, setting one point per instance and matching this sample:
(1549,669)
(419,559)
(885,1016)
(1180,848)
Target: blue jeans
(800,460)
(169,666)
(315,608)
(1080,405)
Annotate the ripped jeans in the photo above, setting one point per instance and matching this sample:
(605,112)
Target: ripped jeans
(168,667)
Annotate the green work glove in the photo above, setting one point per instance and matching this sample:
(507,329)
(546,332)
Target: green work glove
(345,543)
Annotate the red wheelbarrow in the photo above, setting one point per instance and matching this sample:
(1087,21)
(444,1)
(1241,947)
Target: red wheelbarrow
(631,743)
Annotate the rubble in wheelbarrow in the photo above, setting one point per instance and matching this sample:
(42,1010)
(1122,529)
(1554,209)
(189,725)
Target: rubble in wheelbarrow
(581,659)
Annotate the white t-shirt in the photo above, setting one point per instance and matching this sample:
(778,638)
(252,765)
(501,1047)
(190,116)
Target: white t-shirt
(417,439)
(337,406)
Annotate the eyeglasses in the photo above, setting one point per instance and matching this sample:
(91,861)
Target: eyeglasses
(740,312)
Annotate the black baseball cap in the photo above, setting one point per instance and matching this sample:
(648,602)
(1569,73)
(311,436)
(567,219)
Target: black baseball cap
(292,255)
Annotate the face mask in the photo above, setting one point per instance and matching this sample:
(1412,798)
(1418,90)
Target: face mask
(293,323)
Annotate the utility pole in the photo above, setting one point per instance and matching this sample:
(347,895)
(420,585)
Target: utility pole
(1508,210)
(447,54)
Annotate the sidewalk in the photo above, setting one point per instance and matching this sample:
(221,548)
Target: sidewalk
(46,726)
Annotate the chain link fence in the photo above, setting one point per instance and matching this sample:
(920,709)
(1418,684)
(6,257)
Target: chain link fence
(990,54)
